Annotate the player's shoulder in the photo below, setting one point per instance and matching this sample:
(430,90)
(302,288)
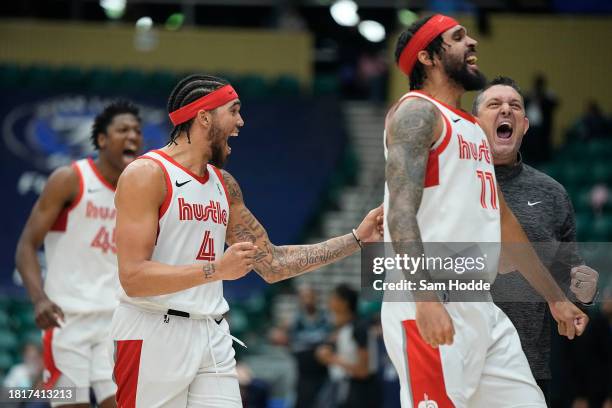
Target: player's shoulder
(142,172)
(409,104)
(233,188)
(64,176)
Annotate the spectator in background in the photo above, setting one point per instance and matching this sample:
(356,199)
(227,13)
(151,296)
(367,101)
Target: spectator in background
(589,360)
(592,124)
(27,374)
(352,381)
(540,107)
(310,330)
(254,392)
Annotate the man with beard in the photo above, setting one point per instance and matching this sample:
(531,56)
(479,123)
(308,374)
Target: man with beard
(175,210)
(545,211)
(75,216)
(440,188)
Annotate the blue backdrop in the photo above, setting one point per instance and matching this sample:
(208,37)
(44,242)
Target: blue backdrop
(282,159)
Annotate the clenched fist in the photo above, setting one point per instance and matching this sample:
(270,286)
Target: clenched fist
(236,262)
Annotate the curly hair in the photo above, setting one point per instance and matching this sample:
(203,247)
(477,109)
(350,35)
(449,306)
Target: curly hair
(418,75)
(104,118)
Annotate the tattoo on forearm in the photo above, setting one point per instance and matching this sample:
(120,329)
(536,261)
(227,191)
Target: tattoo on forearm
(277,263)
(409,139)
(209,270)
(287,261)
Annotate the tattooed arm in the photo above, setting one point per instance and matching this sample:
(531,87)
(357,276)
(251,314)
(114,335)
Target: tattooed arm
(275,263)
(412,129)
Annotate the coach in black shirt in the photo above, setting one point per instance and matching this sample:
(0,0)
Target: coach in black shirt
(545,212)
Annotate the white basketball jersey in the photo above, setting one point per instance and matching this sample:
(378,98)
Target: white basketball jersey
(459,202)
(80,247)
(192,223)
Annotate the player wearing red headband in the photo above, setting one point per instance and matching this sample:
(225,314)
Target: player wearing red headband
(175,211)
(441,187)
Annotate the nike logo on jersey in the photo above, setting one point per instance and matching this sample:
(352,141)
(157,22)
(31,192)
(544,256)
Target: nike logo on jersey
(181,184)
(529,203)
(93,190)
(456,120)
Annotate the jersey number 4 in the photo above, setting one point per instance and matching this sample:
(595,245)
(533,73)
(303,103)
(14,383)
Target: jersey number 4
(487,180)
(207,249)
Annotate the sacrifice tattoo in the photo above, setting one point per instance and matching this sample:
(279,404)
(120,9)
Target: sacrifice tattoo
(275,263)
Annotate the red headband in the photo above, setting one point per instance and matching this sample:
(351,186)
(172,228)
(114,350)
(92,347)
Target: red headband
(211,101)
(421,39)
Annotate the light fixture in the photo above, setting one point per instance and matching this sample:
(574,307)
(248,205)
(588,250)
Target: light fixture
(344,12)
(372,30)
(113,9)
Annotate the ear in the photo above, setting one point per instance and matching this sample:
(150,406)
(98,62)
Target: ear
(102,139)
(526,125)
(203,118)
(423,58)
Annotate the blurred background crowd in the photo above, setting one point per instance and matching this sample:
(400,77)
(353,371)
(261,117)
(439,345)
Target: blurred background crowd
(315,78)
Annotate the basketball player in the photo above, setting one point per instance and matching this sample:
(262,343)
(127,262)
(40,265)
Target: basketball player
(75,216)
(440,188)
(176,209)
(545,212)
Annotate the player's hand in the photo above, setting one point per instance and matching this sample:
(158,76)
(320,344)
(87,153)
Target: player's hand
(571,321)
(584,283)
(237,261)
(434,323)
(48,314)
(371,228)
(324,354)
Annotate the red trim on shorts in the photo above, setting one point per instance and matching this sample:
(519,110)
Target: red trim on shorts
(220,176)
(202,179)
(424,369)
(61,222)
(48,361)
(432,173)
(168,198)
(99,175)
(125,373)
(457,111)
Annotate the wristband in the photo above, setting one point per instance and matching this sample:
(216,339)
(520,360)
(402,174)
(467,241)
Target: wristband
(357,238)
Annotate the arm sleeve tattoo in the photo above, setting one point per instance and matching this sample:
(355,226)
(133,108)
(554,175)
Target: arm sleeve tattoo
(275,263)
(409,136)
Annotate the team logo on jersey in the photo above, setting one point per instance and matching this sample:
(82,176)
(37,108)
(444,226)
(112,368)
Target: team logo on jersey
(201,212)
(99,212)
(427,403)
(472,151)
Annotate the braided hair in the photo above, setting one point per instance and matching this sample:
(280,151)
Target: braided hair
(186,91)
(418,75)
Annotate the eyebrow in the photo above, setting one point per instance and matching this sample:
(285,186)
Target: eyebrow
(459,29)
(236,103)
(495,99)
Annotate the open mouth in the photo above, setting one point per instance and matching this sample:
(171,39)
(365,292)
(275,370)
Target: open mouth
(129,154)
(504,131)
(471,60)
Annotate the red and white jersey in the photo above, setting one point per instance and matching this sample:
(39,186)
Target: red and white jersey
(459,202)
(192,223)
(80,247)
